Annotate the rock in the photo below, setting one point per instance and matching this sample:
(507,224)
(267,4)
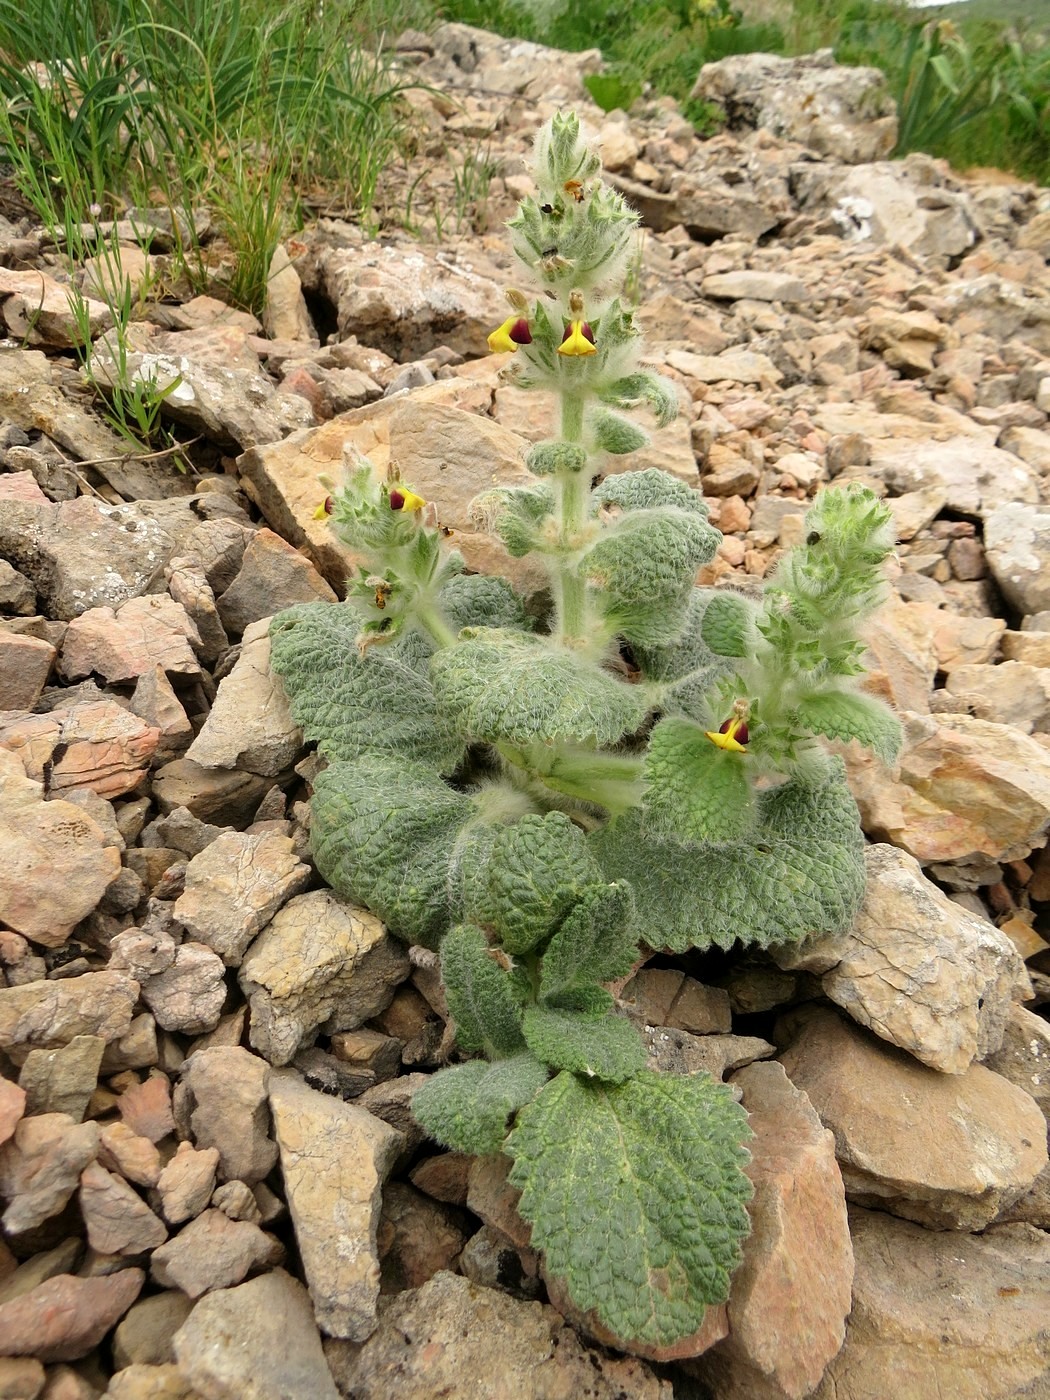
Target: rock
(96,745)
(666,997)
(25,664)
(946,1150)
(917,969)
(131,1154)
(1010,693)
(958,1315)
(416,1238)
(445,1177)
(966,788)
(490,1196)
(212,1252)
(222,1097)
(189,995)
(62,1080)
(1023,1057)
(257,1342)
(12,1108)
(756,285)
(47,1015)
(739,366)
(186,1184)
(116,1219)
(958,640)
(977,478)
(318,961)
(235,886)
(285,316)
(66,1317)
(145,1335)
(1017,546)
(273,576)
(21,1378)
(36,310)
(154,701)
(491,1261)
(228,796)
(791,1295)
(145,1106)
(845,113)
(438,1340)
(334,1159)
(139,1382)
(127,642)
(250,725)
(40,1165)
(465,57)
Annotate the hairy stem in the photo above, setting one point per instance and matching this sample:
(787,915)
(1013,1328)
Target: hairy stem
(573,490)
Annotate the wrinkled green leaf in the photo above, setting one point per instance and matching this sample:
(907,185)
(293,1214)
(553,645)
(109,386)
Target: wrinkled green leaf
(839,714)
(727,624)
(595,943)
(695,792)
(601,1047)
(467,1107)
(481,996)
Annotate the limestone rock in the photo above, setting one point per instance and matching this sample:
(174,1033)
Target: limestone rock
(131,1154)
(40,1165)
(1011,693)
(416,1238)
(273,575)
(756,285)
(1017,545)
(67,1317)
(1023,1057)
(212,1252)
(285,316)
(12,1107)
(25,664)
(845,113)
(145,1106)
(227,797)
(235,886)
(917,969)
(145,1335)
(950,1315)
(946,1150)
(257,1342)
(977,478)
(222,1099)
(118,1221)
(318,960)
(791,1295)
(36,310)
(140,1382)
(97,745)
(438,1340)
(122,644)
(62,1080)
(190,994)
(46,1015)
(250,725)
(334,1159)
(470,58)
(185,1185)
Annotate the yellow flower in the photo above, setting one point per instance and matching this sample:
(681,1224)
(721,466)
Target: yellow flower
(513,332)
(578,340)
(401,498)
(324,510)
(731,735)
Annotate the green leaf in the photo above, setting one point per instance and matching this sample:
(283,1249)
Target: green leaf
(481,995)
(515,514)
(467,1107)
(385,833)
(536,872)
(617,436)
(636,1194)
(801,871)
(695,792)
(688,666)
(727,624)
(603,1047)
(555,455)
(840,714)
(382,702)
(476,600)
(595,943)
(648,388)
(502,685)
(649,489)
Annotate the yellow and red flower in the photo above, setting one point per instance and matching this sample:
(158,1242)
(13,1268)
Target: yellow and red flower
(578,339)
(513,332)
(731,735)
(401,498)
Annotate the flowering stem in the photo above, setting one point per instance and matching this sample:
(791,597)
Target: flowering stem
(573,491)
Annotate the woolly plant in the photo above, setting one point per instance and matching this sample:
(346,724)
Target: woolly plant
(644,767)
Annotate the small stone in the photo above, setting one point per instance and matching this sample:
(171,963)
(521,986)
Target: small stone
(223,1099)
(367,1049)
(235,886)
(122,1150)
(212,1252)
(1017,547)
(227,797)
(62,1080)
(21,1377)
(668,998)
(47,1015)
(258,1341)
(490,1260)
(12,1107)
(117,1220)
(95,744)
(237,1202)
(186,1184)
(318,962)
(189,995)
(63,1259)
(416,1238)
(66,1317)
(145,1335)
(145,1106)
(122,644)
(1023,1057)
(334,1159)
(25,664)
(137,1049)
(137,1382)
(445,1177)
(154,700)
(273,576)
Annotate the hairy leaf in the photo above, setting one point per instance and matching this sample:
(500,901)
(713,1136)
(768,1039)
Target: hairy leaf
(384,833)
(595,943)
(536,871)
(600,1047)
(688,665)
(648,388)
(695,792)
(617,436)
(840,714)
(503,685)
(727,624)
(636,1194)
(481,995)
(466,1108)
(800,871)
(649,489)
(382,702)
(476,600)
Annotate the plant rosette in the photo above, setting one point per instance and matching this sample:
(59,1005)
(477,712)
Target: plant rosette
(646,768)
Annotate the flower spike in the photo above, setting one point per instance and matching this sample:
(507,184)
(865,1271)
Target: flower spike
(513,332)
(578,340)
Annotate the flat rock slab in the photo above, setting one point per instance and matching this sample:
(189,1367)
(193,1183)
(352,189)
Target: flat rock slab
(334,1160)
(67,1317)
(944,1314)
(455,1339)
(122,644)
(255,1342)
(1017,546)
(917,969)
(45,1015)
(949,1151)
